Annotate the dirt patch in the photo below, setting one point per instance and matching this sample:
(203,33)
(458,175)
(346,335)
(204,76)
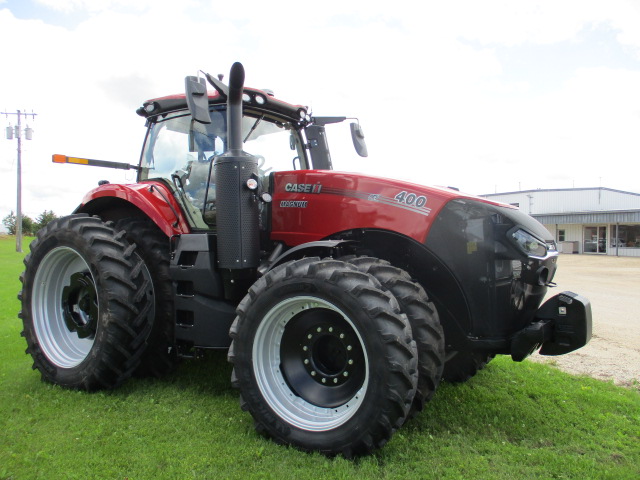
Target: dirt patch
(612,285)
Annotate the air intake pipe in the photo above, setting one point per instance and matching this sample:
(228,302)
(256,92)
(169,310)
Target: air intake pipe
(237,207)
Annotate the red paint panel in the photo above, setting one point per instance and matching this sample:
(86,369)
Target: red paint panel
(310,205)
(146,196)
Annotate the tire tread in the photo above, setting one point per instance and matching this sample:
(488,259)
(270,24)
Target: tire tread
(383,311)
(423,318)
(108,364)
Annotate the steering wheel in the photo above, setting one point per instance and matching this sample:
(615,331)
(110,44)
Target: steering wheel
(261,162)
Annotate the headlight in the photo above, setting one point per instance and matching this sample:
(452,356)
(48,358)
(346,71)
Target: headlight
(529,244)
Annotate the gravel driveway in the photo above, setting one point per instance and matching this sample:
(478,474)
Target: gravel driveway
(612,284)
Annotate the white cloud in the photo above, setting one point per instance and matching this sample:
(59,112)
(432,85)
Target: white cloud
(94,6)
(425,80)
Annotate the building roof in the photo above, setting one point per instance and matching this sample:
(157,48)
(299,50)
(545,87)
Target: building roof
(542,190)
(581,205)
(630,216)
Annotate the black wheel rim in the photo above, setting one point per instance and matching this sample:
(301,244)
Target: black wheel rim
(321,357)
(80,305)
(284,380)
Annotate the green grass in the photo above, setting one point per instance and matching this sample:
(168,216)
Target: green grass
(512,421)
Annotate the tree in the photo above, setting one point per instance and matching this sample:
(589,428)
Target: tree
(43,219)
(10,223)
(28,225)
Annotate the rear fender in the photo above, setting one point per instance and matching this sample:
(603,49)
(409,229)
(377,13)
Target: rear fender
(153,200)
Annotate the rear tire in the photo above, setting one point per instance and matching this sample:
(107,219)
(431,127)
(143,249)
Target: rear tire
(323,358)
(85,304)
(423,317)
(152,245)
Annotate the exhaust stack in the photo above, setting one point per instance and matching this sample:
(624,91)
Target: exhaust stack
(237,205)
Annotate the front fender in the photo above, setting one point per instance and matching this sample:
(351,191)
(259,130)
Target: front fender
(321,248)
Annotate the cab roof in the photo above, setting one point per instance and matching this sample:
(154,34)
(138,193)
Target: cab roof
(251,97)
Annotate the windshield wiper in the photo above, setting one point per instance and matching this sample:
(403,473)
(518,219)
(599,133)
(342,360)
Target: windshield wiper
(255,125)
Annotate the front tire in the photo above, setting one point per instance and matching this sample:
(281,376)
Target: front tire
(85,304)
(423,318)
(323,358)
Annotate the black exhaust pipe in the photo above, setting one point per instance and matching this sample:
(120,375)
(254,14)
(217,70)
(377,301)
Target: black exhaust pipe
(234,109)
(237,207)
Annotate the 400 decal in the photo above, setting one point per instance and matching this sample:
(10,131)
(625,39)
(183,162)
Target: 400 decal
(411,199)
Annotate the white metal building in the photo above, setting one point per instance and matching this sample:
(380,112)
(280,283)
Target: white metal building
(584,220)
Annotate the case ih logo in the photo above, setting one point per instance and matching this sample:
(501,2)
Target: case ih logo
(303,187)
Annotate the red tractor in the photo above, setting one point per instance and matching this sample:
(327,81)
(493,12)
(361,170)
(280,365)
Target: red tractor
(343,299)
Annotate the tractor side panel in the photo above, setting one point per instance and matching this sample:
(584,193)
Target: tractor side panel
(310,205)
(154,199)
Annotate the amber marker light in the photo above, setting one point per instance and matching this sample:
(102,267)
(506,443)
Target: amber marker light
(57,158)
(81,161)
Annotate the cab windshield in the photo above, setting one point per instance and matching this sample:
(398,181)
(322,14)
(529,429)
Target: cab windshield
(181,151)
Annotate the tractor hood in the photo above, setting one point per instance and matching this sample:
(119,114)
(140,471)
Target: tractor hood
(313,204)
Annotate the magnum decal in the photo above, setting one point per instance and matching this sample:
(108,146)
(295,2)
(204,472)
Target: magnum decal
(293,204)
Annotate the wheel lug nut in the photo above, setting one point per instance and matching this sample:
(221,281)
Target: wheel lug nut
(350,361)
(342,335)
(305,348)
(306,361)
(313,374)
(335,380)
(309,336)
(319,329)
(346,374)
(324,380)
(349,347)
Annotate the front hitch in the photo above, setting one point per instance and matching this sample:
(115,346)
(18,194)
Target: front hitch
(563,324)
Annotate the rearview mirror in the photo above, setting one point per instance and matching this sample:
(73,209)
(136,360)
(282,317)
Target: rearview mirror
(357,135)
(197,99)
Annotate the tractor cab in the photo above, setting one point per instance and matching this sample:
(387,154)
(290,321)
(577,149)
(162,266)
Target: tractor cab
(179,150)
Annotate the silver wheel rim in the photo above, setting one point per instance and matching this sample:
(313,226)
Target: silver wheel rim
(61,346)
(272,384)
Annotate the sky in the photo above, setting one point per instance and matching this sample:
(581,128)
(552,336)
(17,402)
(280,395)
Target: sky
(487,96)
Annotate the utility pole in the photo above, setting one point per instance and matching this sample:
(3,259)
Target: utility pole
(28,133)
